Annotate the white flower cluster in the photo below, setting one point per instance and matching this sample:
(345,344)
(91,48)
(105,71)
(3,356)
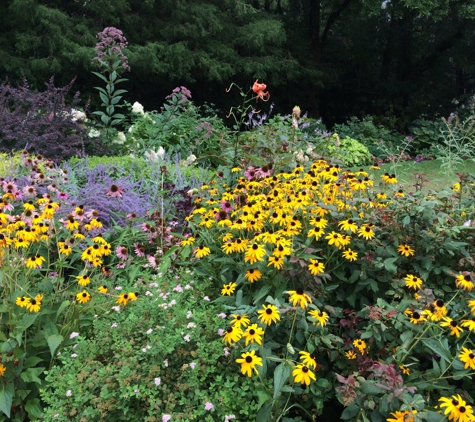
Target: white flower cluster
(155,156)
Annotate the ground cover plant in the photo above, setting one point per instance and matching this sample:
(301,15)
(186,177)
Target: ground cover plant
(275,286)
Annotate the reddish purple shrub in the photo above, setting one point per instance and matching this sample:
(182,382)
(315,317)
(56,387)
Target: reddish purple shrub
(41,122)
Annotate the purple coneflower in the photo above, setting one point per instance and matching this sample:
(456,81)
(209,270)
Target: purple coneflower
(29,192)
(62,195)
(139,249)
(122,252)
(115,191)
(250,173)
(226,206)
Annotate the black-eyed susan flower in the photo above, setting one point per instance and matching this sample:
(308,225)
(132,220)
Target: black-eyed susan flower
(232,334)
(64,248)
(303,374)
(350,354)
(268,314)
(103,289)
(471,305)
(22,302)
(201,251)
(34,305)
(467,356)
(35,262)
(276,262)
(455,328)
(83,280)
(348,225)
(405,250)
(405,369)
(249,361)
(123,299)
(316,232)
(240,321)
(469,323)
(321,317)
(350,255)
(254,253)
(228,289)
(315,267)
(308,359)
(366,232)
(464,281)
(253,274)
(456,408)
(83,296)
(3,368)
(413,282)
(253,334)
(360,345)
(299,298)
(406,416)
(416,317)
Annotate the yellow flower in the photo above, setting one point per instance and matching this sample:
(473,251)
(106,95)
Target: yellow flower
(457,409)
(34,305)
(83,297)
(350,255)
(366,232)
(360,345)
(467,356)
(188,241)
(240,321)
(299,298)
(232,335)
(416,317)
(321,317)
(123,299)
(201,251)
(103,289)
(276,261)
(35,262)
(308,359)
(303,374)
(405,369)
(348,225)
(405,250)
(228,289)
(464,282)
(253,334)
(83,280)
(350,354)
(413,282)
(254,253)
(455,329)
(269,314)
(23,302)
(253,275)
(64,248)
(248,362)
(315,267)
(406,416)
(3,368)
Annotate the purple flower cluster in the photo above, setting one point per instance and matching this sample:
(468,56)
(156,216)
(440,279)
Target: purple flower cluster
(180,91)
(110,47)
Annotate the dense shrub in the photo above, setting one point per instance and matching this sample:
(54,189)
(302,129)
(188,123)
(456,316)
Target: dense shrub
(42,122)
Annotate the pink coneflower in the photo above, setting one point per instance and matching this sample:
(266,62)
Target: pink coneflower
(131,215)
(226,206)
(10,187)
(115,191)
(152,261)
(250,173)
(122,252)
(121,265)
(52,187)
(139,249)
(91,214)
(221,215)
(62,195)
(29,192)
(264,171)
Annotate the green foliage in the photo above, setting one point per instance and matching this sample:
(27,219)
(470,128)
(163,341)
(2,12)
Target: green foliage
(369,134)
(349,151)
(159,356)
(427,133)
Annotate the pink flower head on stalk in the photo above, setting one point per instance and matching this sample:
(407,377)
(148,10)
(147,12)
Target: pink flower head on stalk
(226,206)
(250,173)
(209,406)
(115,191)
(110,46)
(122,252)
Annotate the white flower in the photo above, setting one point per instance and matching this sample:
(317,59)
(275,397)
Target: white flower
(121,136)
(190,160)
(73,334)
(78,116)
(157,381)
(68,393)
(137,108)
(93,133)
(154,156)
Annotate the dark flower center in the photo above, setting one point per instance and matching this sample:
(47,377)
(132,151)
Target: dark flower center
(268,311)
(229,330)
(252,332)
(248,359)
(453,323)
(299,291)
(439,303)
(305,369)
(114,188)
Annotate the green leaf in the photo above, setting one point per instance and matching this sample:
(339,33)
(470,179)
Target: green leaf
(370,389)
(350,412)
(54,341)
(281,375)
(406,220)
(62,307)
(31,361)
(264,412)
(26,321)
(100,76)
(262,292)
(389,265)
(239,298)
(33,408)
(31,375)
(104,98)
(6,398)
(437,347)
